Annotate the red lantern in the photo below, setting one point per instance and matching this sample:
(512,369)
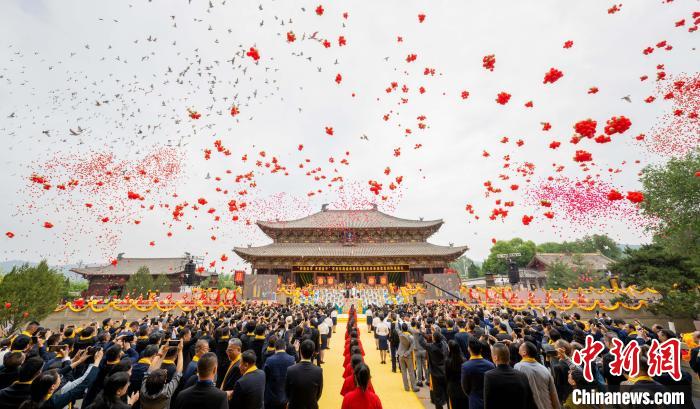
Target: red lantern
(8,305)
(25,314)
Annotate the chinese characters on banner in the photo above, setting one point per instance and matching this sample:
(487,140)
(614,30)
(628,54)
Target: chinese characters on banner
(662,357)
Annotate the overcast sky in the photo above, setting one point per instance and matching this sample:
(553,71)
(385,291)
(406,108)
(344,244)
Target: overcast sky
(61,57)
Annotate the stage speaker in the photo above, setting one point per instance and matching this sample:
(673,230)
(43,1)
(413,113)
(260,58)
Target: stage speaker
(415,300)
(513,273)
(190,268)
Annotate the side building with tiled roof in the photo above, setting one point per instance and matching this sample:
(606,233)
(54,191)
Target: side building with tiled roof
(360,246)
(111,278)
(534,275)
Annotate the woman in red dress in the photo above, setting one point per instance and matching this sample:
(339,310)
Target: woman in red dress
(361,397)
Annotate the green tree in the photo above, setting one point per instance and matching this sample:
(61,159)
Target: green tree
(588,244)
(560,275)
(605,245)
(671,274)
(161,283)
(31,292)
(672,197)
(474,271)
(206,283)
(226,281)
(496,265)
(140,283)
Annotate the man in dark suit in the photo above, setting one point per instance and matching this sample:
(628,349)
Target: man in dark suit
(13,396)
(233,372)
(462,338)
(304,383)
(204,393)
(506,379)
(250,389)
(473,374)
(10,369)
(139,369)
(275,369)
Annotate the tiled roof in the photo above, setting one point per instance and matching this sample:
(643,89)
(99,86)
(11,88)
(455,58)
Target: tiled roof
(358,250)
(349,219)
(597,261)
(129,266)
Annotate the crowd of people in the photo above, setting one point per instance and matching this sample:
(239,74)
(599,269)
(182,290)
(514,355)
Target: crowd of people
(475,358)
(258,356)
(253,357)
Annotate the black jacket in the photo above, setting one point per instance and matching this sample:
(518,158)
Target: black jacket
(560,373)
(8,376)
(249,391)
(504,387)
(231,377)
(304,385)
(256,344)
(275,369)
(13,396)
(201,395)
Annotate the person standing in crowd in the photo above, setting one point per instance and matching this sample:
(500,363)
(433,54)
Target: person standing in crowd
(19,391)
(114,394)
(323,331)
(369,316)
(473,374)
(304,382)
(558,367)
(381,334)
(394,332)
(139,369)
(47,391)
(314,335)
(201,347)
(361,397)
(376,321)
(421,355)
(204,393)
(334,317)
(405,354)
(437,353)
(462,338)
(156,390)
(613,381)
(10,368)
(453,372)
(276,367)
(504,387)
(233,372)
(329,322)
(544,392)
(577,381)
(249,390)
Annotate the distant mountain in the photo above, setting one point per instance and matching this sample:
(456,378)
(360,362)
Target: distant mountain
(6,267)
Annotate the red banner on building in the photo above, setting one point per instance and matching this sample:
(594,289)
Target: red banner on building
(238,277)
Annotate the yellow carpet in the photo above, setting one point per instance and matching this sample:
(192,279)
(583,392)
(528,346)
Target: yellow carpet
(388,385)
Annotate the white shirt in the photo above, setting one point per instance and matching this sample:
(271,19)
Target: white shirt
(382,329)
(323,328)
(334,313)
(376,321)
